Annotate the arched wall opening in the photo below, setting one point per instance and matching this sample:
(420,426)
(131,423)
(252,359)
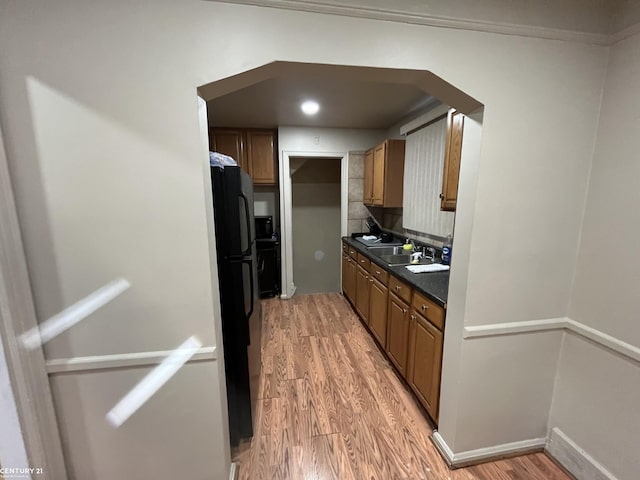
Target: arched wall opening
(447,94)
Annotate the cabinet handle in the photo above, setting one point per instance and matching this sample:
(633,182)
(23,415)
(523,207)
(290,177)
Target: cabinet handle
(413,317)
(366,276)
(404,310)
(442,196)
(371,280)
(363,261)
(424,307)
(397,288)
(377,272)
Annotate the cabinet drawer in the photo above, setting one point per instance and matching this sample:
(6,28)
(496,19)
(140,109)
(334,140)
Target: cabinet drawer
(379,273)
(345,248)
(353,253)
(363,262)
(428,309)
(401,289)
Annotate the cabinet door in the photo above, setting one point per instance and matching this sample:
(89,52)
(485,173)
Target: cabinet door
(398,333)
(362,293)
(378,310)
(425,362)
(368,177)
(378,174)
(350,284)
(345,273)
(229,142)
(453,152)
(261,156)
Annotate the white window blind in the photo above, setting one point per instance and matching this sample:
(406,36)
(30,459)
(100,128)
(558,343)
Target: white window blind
(423,167)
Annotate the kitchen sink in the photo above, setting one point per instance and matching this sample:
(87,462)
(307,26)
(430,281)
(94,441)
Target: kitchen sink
(395,256)
(394,260)
(380,251)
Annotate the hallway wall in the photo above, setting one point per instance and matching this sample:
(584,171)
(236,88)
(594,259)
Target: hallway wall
(597,395)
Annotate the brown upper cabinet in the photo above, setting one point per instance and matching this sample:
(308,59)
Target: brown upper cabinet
(253,149)
(229,142)
(384,174)
(453,151)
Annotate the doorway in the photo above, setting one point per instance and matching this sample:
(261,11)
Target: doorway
(316,223)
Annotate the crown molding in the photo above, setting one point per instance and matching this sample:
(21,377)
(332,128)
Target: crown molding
(625,33)
(332,8)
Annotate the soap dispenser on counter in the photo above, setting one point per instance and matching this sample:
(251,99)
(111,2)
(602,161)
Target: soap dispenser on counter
(446,251)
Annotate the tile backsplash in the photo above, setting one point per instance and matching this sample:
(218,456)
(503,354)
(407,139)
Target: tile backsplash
(357,213)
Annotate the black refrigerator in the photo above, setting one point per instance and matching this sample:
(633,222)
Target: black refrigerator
(239,295)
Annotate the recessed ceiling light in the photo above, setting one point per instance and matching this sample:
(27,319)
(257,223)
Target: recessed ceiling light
(310,107)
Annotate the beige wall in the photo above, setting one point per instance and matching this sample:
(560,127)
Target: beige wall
(102,137)
(597,397)
(316,226)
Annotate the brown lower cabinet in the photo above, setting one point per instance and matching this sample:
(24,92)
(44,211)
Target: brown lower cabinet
(398,332)
(349,272)
(378,310)
(406,324)
(362,293)
(425,362)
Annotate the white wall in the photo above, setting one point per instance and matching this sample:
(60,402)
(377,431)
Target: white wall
(265,202)
(318,140)
(598,391)
(103,142)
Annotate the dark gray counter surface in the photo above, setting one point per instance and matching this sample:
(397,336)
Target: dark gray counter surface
(434,285)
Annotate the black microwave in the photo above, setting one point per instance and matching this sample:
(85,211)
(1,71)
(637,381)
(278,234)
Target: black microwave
(264,226)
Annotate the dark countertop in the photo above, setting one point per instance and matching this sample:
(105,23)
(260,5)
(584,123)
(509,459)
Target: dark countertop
(434,285)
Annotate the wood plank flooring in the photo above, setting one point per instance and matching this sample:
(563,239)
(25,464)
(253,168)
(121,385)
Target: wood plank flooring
(332,407)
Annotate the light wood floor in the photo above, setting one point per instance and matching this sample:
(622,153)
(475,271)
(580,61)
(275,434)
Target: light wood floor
(332,407)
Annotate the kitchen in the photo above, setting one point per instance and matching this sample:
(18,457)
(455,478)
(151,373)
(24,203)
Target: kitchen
(396,246)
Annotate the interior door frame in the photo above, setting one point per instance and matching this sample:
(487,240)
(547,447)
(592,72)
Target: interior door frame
(286,209)
(33,435)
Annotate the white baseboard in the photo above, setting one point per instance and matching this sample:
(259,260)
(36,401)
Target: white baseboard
(480,455)
(292,289)
(578,462)
(233,471)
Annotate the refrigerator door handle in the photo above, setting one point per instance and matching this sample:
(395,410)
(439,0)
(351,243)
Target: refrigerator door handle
(247,216)
(249,262)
